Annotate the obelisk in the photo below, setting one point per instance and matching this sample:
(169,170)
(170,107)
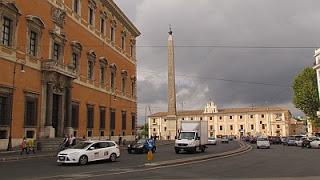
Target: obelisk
(172,112)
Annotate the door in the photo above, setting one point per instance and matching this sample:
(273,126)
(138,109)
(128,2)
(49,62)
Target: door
(105,150)
(94,152)
(55,113)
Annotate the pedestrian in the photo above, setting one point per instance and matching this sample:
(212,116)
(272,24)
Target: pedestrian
(23,146)
(72,140)
(119,140)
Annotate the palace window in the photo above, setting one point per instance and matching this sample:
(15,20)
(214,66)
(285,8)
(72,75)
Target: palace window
(112,30)
(91,60)
(220,128)
(124,120)
(211,127)
(4,109)
(252,126)
(262,115)
(263,126)
(9,15)
(7,31)
(102,117)
(103,17)
(133,121)
(165,128)
(76,53)
(30,111)
(102,73)
(220,117)
(278,126)
(35,26)
(200,118)
(240,116)
(90,116)
(231,127)
(75,115)
(91,12)
(123,39)
(112,119)
(113,69)
(251,116)
(210,118)
(77,7)
(33,43)
(230,117)
(124,75)
(56,51)
(90,70)
(241,126)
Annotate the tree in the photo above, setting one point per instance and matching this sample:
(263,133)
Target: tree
(305,89)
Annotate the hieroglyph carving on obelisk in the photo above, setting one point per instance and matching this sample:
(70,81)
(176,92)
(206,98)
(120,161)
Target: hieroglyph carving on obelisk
(171,78)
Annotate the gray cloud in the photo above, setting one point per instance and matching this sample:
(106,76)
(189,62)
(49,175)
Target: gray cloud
(223,22)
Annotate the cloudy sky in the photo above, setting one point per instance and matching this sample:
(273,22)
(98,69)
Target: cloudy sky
(230,51)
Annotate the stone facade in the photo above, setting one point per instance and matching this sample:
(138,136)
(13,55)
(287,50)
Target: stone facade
(79,69)
(232,121)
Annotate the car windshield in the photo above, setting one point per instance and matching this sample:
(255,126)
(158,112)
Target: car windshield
(262,139)
(81,145)
(186,135)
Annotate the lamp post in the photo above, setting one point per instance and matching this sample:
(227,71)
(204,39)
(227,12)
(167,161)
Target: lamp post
(9,148)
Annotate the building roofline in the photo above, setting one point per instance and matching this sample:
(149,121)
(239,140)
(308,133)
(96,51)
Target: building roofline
(222,111)
(118,12)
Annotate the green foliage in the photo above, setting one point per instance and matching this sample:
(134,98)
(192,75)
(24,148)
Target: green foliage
(306,97)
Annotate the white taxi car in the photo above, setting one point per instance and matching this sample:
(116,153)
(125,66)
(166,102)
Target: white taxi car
(88,151)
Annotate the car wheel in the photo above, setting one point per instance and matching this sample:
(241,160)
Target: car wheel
(177,151)
(258,147)
(83,160)
(113,157)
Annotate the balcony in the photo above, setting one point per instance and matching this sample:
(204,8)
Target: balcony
(55,66)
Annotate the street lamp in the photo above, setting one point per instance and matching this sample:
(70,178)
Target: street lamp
(9,148)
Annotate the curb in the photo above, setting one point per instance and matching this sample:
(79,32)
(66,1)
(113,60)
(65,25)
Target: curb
(52,154)
(16,158)
(243,148)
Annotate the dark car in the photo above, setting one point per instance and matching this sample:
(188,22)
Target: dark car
(253,140)
(142,146)
(275,140)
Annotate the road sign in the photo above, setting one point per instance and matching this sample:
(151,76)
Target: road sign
(150,143)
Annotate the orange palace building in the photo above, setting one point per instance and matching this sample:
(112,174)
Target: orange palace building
(66,67)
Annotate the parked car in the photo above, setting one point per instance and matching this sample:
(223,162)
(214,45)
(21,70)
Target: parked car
(274,139)
(212,140)
(300,141)
(291,141)
(253,140)
(284,140)
(88,151)
(315,143)
(306,142)
(263,142)
(224,139)
(140,146)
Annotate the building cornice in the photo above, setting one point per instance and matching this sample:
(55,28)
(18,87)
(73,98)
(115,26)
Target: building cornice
(121,16)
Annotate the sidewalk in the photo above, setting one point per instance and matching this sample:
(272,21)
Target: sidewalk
(15,154)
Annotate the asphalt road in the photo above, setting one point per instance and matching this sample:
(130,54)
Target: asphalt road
(279,162)
(47,168)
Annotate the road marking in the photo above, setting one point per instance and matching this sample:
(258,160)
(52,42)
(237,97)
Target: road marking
(90,174)
(166,166)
